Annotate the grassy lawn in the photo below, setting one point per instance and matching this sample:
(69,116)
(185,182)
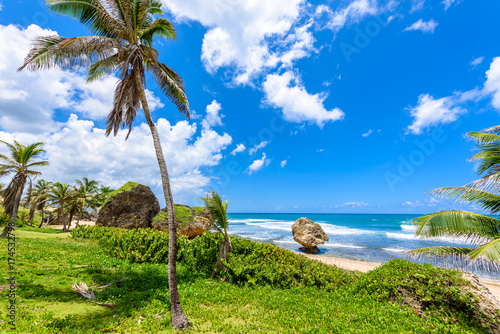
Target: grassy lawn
(49,263)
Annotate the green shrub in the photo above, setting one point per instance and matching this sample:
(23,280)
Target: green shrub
(434,287)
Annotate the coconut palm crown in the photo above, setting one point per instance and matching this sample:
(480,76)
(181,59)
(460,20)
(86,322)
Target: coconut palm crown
(21,164)
(482,231)
(122,44)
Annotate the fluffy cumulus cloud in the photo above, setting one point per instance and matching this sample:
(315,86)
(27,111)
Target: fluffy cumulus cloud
(249,36)
(239,148)
(28,100)
(423,26)
(80,149)
(431,112)
(258,164)
(283,163)
(287,93)
(213,118)
(492,84)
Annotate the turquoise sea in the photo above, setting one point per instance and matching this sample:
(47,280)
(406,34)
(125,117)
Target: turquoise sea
(368,237)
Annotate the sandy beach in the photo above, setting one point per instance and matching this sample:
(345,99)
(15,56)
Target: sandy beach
(492,285)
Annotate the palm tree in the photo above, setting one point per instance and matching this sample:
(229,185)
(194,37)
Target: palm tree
(482,231)
(61,194)
(122,43)
(39,199)
(21,164)
(218,211)
(87,189)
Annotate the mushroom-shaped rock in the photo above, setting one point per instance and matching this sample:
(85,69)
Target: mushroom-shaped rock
(132,206)
(191,222)
(309,234)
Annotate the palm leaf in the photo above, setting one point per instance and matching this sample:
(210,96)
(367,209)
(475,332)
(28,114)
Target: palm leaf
(217,209)
(471,227)
(483,199)
(490,251)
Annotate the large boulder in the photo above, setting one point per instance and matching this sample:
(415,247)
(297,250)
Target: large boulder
(309,234)
(191,222)
(132,206)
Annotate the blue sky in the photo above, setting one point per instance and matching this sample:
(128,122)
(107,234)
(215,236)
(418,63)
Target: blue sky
(340,106)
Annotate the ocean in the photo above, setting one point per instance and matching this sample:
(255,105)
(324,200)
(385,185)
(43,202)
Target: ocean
(367,237)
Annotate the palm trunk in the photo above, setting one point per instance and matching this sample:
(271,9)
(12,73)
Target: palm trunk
(179,319)
(225,248)
(60,216)
(12,221)
(32,214)
(71,214)
(41,222)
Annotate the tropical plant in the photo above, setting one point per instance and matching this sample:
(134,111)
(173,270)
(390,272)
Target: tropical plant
(482,231)
(87,190)
(39,197)
(60,195)
(124,31)
(218,211)
(101,197)
(21,164)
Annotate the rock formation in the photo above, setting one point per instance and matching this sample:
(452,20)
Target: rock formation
(132,206)
(309,234)
(191,222)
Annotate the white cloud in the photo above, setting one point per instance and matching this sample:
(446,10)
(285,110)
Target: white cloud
(258,164)
(447,3)
(367,133)
(476,61)
(352,13)
(431,112)
(28,100)
(213,118)
(417,5)
(412,204)
(320,150)
(257,147)
(423,26)
(1,5)
(492,84)
(283,163)
(243,34)
(80,149)
(353,204)
(297,105)
(370,131)
(239,148)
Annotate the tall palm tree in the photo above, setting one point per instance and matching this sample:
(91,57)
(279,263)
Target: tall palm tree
(218,211)
(39,199)
(482,231)
(60,195)
(21,164)
(87,189)
(122,43)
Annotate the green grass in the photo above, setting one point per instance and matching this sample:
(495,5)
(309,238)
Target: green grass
(48,265)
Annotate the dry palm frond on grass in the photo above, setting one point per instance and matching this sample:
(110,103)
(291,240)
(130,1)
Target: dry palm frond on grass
(88,292)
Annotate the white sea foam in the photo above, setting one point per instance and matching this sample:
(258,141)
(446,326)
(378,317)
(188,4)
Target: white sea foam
(336,245)
(402,236)
(394,250)
(409,228)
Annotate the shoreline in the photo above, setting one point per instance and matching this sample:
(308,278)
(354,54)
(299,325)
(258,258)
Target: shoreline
(362,266)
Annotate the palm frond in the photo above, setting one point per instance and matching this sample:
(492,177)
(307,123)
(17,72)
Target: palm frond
(483,199)
(69,53)
(489,251)
(471,227)
(161,27)
(482,138)
(217,209)
(487,183)
(171,85)
(92,14)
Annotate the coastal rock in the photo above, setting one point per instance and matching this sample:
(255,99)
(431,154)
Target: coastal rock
(132,206)
(191,222)
(309,234)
